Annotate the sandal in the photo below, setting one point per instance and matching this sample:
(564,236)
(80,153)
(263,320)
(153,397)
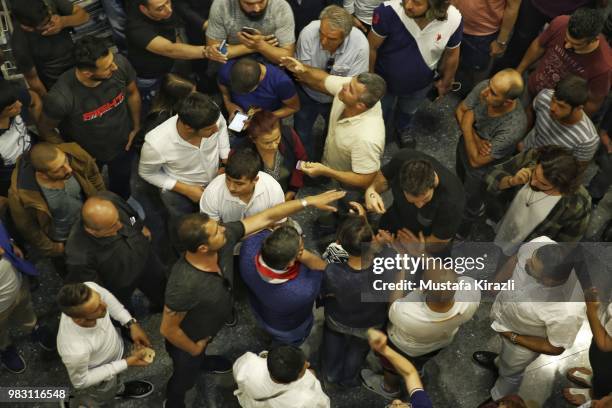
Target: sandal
(581,376)
(577,396)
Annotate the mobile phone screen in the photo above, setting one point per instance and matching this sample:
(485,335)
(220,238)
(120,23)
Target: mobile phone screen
(249,30)
(237,124)
(299,164)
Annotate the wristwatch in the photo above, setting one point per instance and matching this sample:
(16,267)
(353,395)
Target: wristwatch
(304,202)
(502,43)
(130,322)
(513,338)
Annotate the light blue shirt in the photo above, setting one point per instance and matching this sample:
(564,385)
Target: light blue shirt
(351,58)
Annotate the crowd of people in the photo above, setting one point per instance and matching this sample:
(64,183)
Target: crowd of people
(211,105)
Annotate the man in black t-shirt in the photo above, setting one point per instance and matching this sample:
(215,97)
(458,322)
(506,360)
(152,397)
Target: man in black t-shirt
(427,199)
(199,294)
(41,41)
(154,44)
(98,106)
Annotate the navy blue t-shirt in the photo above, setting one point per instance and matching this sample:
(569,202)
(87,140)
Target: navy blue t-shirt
(408,56)
(283,306)
(269,95)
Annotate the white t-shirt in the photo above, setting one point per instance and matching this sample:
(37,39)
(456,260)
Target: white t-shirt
(353,144)
(416,329)
(14,141)
(93,354)
(528,209)
(167,158)
(10,283)
(605,316)
(220,204)
(558,321)
(254,383)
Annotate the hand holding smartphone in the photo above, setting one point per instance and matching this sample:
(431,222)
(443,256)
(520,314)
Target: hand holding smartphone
(250,30)
(223,47)
(238,122)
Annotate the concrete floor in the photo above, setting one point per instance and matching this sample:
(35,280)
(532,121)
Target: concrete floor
(451,379)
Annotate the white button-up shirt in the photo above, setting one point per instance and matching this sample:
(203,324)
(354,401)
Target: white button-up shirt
(93,354)
(220,204)
(167,158)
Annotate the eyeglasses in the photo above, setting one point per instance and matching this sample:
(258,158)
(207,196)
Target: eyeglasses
(329,65)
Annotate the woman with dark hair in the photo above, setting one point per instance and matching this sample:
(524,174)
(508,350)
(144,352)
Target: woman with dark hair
(172,90)
(18,108)
(347,317)
(279,147)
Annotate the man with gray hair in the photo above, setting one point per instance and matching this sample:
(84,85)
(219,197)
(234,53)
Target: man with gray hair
(356,133)
(331,44)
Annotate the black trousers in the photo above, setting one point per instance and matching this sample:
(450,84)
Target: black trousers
(119,173)
(152,282)
(601,363)
(185,370)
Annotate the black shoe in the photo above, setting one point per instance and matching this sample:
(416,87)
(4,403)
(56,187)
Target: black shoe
(406,139)
(233,319)
(12,360)
(216,364)
(45,339)
(485,359)
(136,389)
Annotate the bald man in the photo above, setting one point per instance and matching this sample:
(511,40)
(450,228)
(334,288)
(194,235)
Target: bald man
(111,246)
(492,122)
(48,187)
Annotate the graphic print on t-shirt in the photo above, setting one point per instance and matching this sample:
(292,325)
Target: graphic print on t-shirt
(107,107)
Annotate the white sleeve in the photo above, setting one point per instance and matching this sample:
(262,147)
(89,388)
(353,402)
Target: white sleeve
(151,170)
(224,144)
(115,309)
(349,6)
(82,377)
(277,195)
(333,84)
(209,202)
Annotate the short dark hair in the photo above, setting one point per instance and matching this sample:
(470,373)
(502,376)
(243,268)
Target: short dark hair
(88,50)
(585,23)
(244,75)
(280,247)
(556,263)
(192,231)
(573,90)
(9,94)
(355,235)
(244,162)
(172,91)
(71,296)
(417,176)
(560,168)
(31,13)
(198,111)
(285,363)
(42,154)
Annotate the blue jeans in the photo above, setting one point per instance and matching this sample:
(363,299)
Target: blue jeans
(401,109)
(475,51)
(342,357)
(148,88)
(304,119)
(117,19)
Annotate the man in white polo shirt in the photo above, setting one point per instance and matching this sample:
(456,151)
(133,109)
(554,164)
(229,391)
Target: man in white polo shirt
(92,349)
(356,135)
(242,191)
(542,315)
(181,156)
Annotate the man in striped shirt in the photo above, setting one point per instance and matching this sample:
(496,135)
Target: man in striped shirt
(560,120)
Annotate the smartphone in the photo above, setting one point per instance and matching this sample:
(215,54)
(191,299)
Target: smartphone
(223,47)
(249,30)
(299,164)
(237,124)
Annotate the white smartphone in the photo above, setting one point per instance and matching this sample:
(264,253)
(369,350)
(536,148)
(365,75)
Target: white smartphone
(237,124)
(299,164)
